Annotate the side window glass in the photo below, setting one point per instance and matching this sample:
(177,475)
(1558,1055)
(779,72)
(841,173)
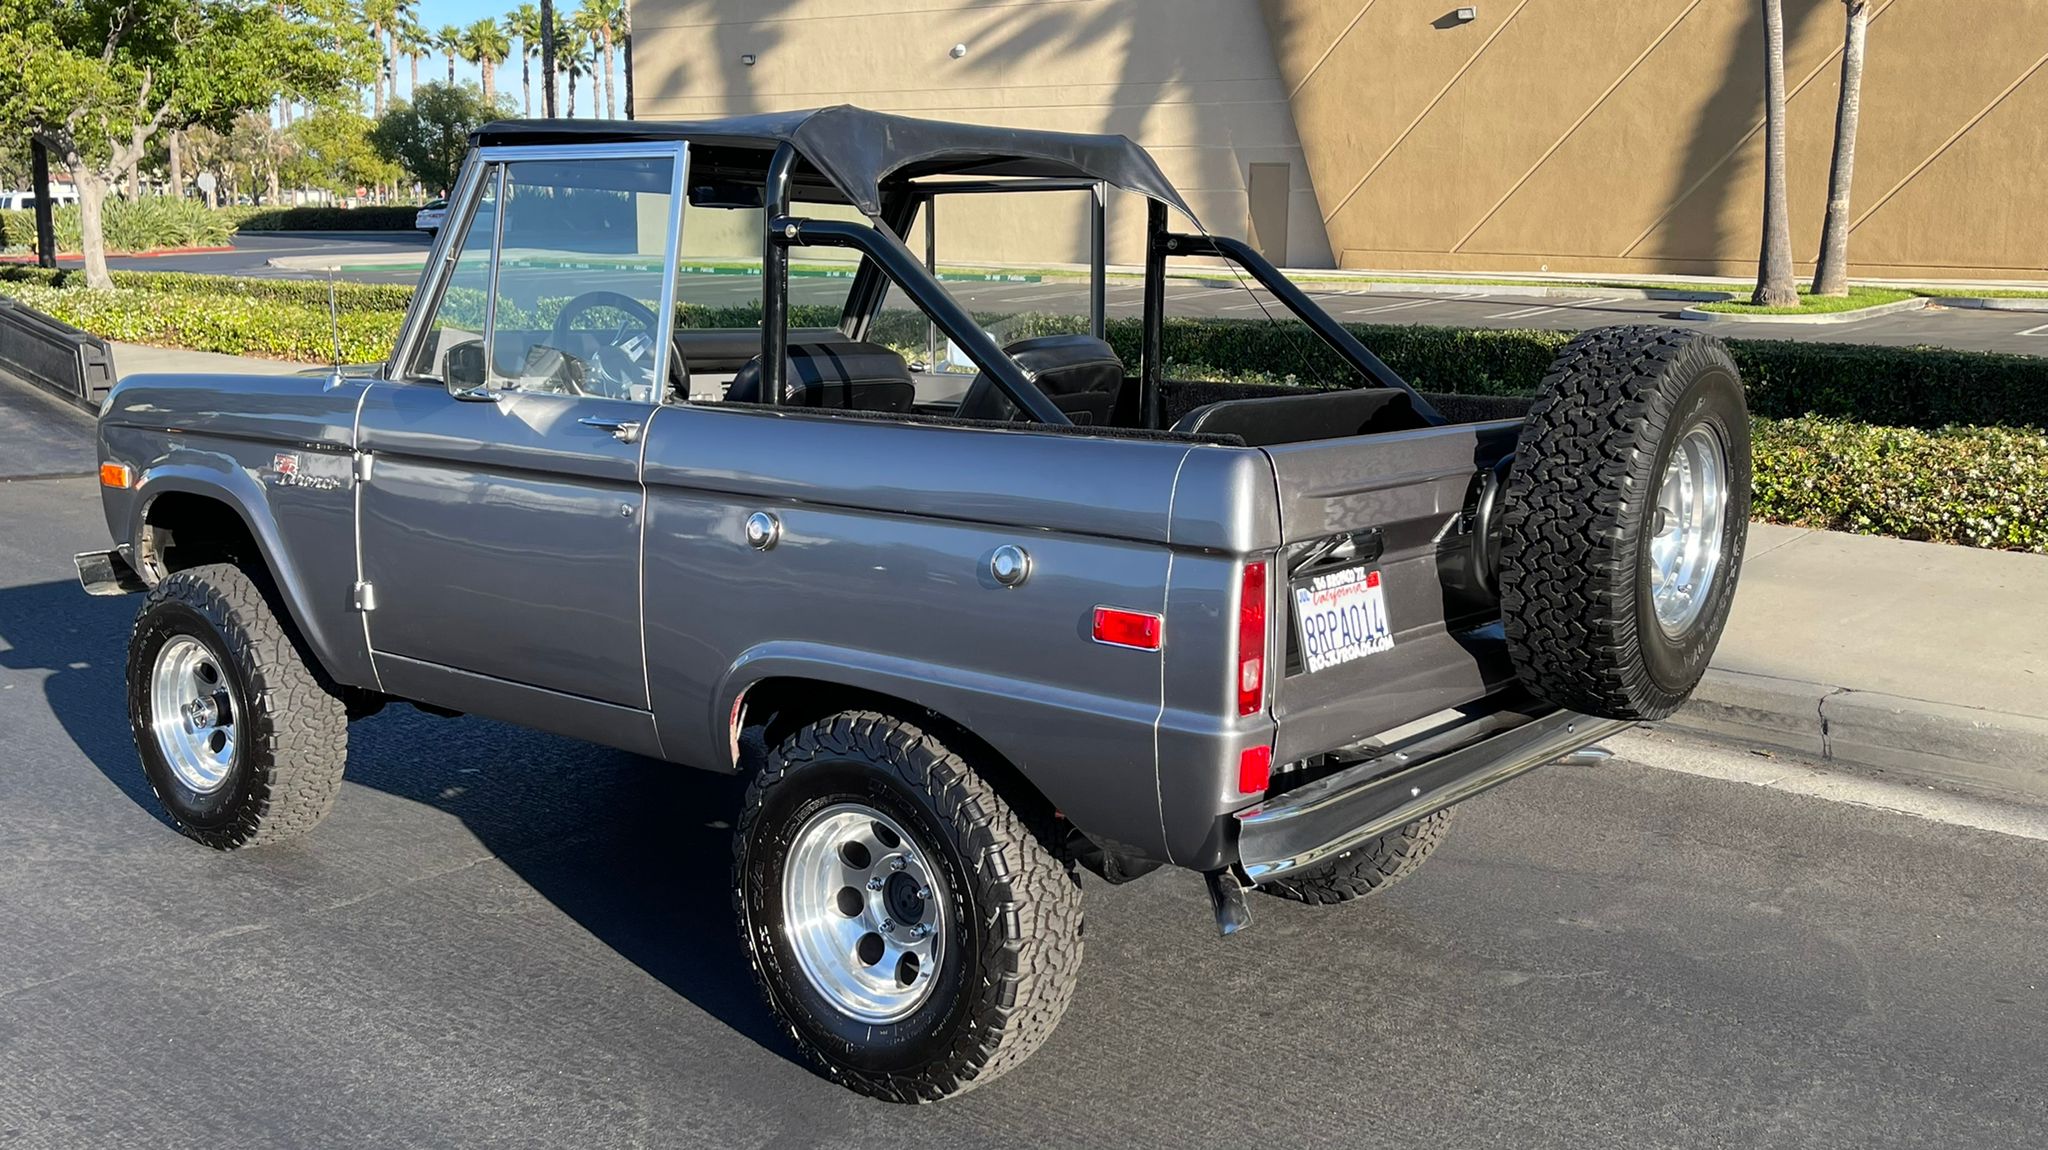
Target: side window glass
(452,349)
(582,258)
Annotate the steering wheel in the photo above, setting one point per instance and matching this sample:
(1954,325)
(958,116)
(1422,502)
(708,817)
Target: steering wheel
(626,354)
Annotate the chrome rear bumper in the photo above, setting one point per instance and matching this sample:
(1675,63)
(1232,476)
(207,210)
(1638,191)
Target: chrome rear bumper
(1341,811)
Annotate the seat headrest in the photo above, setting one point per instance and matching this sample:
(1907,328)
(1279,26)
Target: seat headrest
(849,376)
(1079,373)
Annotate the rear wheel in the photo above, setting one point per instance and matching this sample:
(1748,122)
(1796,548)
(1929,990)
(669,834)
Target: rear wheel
(1623,521)
(1368,869)
(908,926)
(239,738)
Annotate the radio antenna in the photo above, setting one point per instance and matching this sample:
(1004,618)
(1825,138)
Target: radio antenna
(334,319)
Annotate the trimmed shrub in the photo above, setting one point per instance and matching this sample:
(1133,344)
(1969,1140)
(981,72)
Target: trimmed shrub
(1978,486)
(142,225)
(398,218)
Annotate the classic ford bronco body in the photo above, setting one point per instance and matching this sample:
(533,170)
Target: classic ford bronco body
(967,633)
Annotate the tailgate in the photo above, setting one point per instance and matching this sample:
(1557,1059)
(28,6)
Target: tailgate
(1395,504)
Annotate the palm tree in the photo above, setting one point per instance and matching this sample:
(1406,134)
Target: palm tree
(523,24)
(1774,286)
(485,45)
(1831,274)
(417,43)
(549,25)
(598,21)
(572,56)
(379,15)
(401,15)
(449,41)
(626,52)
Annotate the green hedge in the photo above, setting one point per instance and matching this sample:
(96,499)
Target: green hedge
(1978,486)
(364,219)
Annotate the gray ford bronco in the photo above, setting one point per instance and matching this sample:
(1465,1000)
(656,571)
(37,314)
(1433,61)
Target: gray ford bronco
(970,621)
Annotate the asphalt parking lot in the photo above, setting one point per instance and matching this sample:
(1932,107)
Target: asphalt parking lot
(2018,332)
(502,938)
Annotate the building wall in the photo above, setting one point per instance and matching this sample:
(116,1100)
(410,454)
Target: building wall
(1608,136)
(1195,81)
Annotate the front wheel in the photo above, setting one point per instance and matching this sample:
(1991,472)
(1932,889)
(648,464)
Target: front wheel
(240,739)
(908,927)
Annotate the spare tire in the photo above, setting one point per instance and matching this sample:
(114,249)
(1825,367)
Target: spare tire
(1623,520)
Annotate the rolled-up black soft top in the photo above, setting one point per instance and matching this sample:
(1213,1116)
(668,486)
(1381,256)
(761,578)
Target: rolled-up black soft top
(856,151)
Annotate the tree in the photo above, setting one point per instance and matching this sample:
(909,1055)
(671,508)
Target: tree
(96,80)
(1831,273)
(331,150)
(597,20)
(548,28)
(523,25)
(416,43)
(572,56)
(430,135)
(626,52)
(380,15)
(401,15)
(1774,284)
(449,41)
(484,45)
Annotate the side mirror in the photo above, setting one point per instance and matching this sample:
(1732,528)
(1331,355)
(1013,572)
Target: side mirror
(465,366)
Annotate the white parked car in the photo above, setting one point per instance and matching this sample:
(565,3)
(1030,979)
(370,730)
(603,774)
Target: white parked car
(430,217)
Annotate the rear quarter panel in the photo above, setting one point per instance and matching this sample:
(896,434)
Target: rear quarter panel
(881,580)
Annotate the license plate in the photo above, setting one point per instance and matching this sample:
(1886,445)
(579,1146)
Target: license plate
(1341,615)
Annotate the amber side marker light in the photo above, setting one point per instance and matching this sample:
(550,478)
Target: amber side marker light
(116,475)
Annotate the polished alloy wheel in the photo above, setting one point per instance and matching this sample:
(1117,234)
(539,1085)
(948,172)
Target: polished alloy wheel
(1685,552)
(192,709)
(865,912)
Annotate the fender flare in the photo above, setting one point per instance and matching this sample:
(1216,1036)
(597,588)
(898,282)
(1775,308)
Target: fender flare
(222,480)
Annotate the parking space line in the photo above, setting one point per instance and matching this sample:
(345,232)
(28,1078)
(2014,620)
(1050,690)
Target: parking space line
(2042,330)
(1404,305)
(1532,312)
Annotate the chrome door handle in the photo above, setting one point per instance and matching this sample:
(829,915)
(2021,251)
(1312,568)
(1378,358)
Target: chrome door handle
(623,430)
(479,395)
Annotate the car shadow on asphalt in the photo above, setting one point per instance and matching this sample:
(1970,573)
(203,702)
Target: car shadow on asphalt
(635,851)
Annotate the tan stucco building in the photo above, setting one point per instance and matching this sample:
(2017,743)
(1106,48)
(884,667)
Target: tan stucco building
(1585,135)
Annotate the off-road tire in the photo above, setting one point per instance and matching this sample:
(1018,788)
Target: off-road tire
(1015,914)
(1577,519)
(1365,870)
(292,740)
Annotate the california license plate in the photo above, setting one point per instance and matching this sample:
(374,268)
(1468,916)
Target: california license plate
(1341,615)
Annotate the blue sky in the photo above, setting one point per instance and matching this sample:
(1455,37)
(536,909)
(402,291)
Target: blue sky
(434,13)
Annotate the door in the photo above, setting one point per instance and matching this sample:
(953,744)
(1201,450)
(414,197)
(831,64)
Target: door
(500,521)
(1266,193)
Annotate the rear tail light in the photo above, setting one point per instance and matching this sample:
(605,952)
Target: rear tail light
(1120,628)
(1251,641)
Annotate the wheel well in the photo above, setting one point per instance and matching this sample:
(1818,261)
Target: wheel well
(183,529)
(781,705)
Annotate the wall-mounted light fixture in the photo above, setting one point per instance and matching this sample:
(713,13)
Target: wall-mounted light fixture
(959,50)
(747,59)
(1467,15)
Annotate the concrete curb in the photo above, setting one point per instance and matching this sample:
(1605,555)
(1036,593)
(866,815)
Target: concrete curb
(1991,303)
(1378,287)
(1917,740)
(1861,313)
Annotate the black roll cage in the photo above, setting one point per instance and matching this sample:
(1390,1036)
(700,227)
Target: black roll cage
(887,257)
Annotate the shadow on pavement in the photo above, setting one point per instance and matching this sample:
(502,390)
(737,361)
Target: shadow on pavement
(635,851)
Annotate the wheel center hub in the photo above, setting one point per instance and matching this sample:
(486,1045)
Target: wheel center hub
(900,895)
(202,714)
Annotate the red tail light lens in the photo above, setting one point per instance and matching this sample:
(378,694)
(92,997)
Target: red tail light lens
(1254,770)
(1121,628)
(1251,641)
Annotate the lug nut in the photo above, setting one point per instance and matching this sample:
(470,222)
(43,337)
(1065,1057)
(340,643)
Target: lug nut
(875,883)
(897,863)
(924,894)
(921,930)
(887,926)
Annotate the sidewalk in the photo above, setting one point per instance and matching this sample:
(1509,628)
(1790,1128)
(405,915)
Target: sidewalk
(1922,659)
